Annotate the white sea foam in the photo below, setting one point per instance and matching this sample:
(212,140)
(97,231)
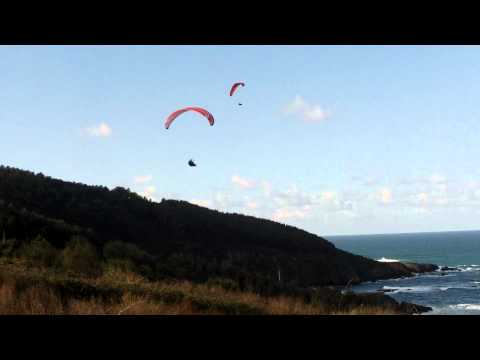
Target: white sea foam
(384,259)
(469,287)
(466,307)
(471,267)
(438,276)
(422,289)
(412,289)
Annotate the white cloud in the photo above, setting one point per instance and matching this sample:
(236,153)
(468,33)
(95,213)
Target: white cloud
(308,112)
(315,203)
(422,197)
(267,188)
(294,204)
(292,197)
(328,195)
(297,105)
(142,179)
(437,179)
(204,203)
(222,201)
(282,214)
(385,196)
(420,211)
(346,208)
(242,182)
(370,182)
(101,130)
(349,209)
(441,187)
(315,113)
(251,204)
(148,192)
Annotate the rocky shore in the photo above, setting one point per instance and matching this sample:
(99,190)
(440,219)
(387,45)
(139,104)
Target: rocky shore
(385,301)
(413,268)
(382,300)
(348,300)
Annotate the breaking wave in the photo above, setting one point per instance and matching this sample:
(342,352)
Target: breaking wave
(384,259)
(415,289)
(473,267)
(475,307)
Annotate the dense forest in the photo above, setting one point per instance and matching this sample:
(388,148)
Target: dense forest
(174,239)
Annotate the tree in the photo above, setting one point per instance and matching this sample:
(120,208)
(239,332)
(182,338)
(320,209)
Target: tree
(81,258)
(39,252)
(122,250)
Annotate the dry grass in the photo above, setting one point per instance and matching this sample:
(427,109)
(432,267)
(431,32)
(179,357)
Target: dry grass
(41,301)
(38,292)
(370,310)
(32,301)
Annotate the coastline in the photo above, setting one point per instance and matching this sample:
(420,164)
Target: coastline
(381,297)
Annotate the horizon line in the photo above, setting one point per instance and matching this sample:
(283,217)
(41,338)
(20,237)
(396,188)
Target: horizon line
(402,233)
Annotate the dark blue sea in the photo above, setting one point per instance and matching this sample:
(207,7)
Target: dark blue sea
(447,292)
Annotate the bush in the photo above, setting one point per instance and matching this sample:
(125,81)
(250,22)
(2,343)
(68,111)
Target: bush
(39,252)
(7,247)
(225,284)
(124,251)
(146,271)
(80,257)
(120,264)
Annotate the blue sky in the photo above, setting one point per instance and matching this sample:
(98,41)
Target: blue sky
(332,139)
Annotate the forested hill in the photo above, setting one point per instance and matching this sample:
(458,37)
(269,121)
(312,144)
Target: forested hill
(203,242)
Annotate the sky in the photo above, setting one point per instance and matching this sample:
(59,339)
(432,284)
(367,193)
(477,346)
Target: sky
(332,139)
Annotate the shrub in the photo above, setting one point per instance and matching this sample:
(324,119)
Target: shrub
(39,252)
(226,284)
(146,271)
(7,247)
(179,265)
(123,250)
(80,257)
(120,264)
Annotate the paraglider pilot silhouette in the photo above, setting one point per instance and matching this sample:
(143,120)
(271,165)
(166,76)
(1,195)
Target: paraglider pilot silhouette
(191,163)
(234,89)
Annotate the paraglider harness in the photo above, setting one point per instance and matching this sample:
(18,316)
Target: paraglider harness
(191,163)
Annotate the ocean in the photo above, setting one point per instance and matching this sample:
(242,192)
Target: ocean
(447,292)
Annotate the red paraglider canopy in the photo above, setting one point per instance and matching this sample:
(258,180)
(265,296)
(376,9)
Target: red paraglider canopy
(199,110)
(235,86)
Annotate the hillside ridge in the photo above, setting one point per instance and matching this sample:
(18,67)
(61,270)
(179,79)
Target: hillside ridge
(193,242)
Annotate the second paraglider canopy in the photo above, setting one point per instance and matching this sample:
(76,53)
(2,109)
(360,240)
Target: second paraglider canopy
(235,87)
